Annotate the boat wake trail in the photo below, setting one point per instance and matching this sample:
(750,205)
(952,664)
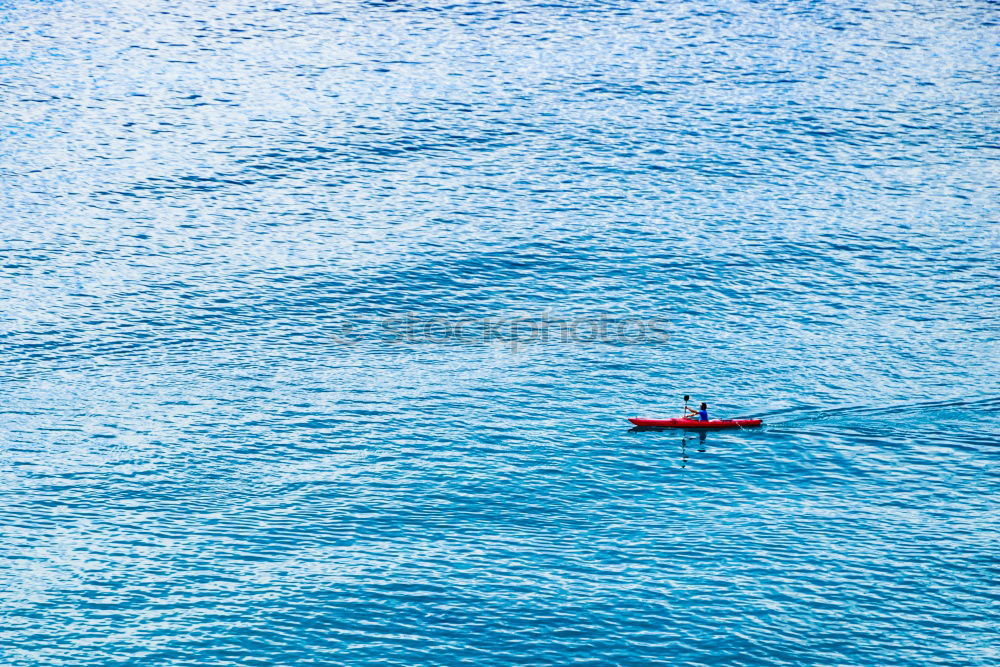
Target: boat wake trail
(969,415)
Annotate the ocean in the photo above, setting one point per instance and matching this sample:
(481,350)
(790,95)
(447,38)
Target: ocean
(320,323)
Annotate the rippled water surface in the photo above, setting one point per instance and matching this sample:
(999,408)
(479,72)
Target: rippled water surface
(320,323)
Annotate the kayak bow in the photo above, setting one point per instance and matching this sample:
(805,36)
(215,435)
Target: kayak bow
(695,424)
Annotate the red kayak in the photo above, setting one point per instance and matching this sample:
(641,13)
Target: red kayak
(694,423)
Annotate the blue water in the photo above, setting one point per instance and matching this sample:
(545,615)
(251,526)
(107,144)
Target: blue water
(319,325)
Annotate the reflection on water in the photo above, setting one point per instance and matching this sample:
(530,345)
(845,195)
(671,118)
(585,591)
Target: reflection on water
(701,439)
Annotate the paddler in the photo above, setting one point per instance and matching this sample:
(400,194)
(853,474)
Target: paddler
(702,412)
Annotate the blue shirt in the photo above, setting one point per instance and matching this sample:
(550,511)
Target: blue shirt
(703,415)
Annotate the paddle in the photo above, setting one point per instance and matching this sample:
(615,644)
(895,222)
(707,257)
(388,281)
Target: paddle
(686,399)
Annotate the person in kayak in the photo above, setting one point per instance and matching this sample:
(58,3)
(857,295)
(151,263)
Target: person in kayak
(702,412)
